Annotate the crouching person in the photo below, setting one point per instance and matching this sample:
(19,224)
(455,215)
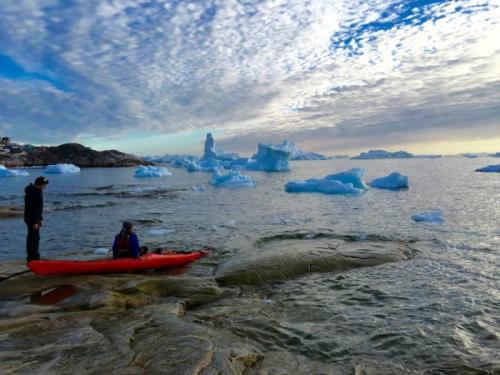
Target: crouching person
(126,244)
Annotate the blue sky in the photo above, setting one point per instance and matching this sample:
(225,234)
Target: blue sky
(338,76)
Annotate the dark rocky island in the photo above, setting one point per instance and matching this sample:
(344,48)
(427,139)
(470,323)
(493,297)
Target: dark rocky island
(71,153)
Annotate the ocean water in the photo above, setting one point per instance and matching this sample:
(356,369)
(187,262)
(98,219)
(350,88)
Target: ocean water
(437,312)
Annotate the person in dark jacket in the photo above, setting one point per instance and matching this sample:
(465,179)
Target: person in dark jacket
(33,216)
(126,244)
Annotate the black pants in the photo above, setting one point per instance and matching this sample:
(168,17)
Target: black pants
(32,242)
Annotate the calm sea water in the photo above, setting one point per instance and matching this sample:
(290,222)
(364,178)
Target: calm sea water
(435,313)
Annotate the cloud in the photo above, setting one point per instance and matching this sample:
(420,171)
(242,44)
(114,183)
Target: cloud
(333,73)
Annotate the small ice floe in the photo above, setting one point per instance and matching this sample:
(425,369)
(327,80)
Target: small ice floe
(324,186)
(4,172)
(62,169)
(490,169)
(234,179)
(435,216)
(353,176)
(151,171)
(199,188)
(393,181)
(230,224)
(101,250)
(160,232)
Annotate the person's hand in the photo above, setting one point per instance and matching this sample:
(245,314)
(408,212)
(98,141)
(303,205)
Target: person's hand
(36,226)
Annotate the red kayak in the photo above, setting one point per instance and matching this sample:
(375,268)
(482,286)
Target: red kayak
(146,262)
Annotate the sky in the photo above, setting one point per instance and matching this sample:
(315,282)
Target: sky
(342,76)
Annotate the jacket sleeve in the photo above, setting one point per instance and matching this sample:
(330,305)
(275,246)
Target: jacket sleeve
(115,248)
(134,245)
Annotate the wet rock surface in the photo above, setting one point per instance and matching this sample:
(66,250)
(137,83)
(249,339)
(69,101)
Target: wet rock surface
(168,323)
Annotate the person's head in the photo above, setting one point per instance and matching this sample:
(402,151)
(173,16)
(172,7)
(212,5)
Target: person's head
(128,227)
(41,182)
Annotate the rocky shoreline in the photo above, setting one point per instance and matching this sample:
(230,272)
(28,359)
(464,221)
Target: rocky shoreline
(70,153)
(175,322)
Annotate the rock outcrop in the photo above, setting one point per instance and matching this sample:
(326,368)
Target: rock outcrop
(71,153)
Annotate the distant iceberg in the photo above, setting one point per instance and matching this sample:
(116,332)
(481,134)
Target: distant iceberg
(211,152)
(490,169)
(270,158)
(62,169)
(382,154)
(496,155)
(4,172)
(435,216)
(324,186)
(428,156)
(204,165)
(234,179)
(353,176)
(470,156)
(143,171)
(297,154)
(393,181)
(175,160)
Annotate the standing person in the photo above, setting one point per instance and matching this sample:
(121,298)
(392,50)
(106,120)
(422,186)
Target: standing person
(33,210)
(126,244)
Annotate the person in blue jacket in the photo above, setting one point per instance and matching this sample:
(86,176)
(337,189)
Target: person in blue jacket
(126,244)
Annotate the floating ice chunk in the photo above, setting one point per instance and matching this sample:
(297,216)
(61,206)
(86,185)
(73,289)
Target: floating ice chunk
(211,152)
(206,165)
(324,186)
(297,154)
(4,172)
(382,154)
(234,179)
(490,169)
(160,232)
(393,181)
(62,169)
(435,216)
(496,155)
(101,250)
(151,171)
(353,176)
(199,188)
(270,158)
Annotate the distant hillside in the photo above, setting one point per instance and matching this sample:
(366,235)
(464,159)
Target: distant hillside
(72,153)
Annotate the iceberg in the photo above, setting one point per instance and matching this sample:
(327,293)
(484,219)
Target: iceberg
(297,154)
(62,169)
(353,176)
(490,169)
(270,158)
(470,156)
(101,250)
(151,171)
(382,154)
(211,152)
(324,186)
(393,181)
(428,156)
(496,155)
(4,172)
(234,179)
(204,165)
(435,216)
